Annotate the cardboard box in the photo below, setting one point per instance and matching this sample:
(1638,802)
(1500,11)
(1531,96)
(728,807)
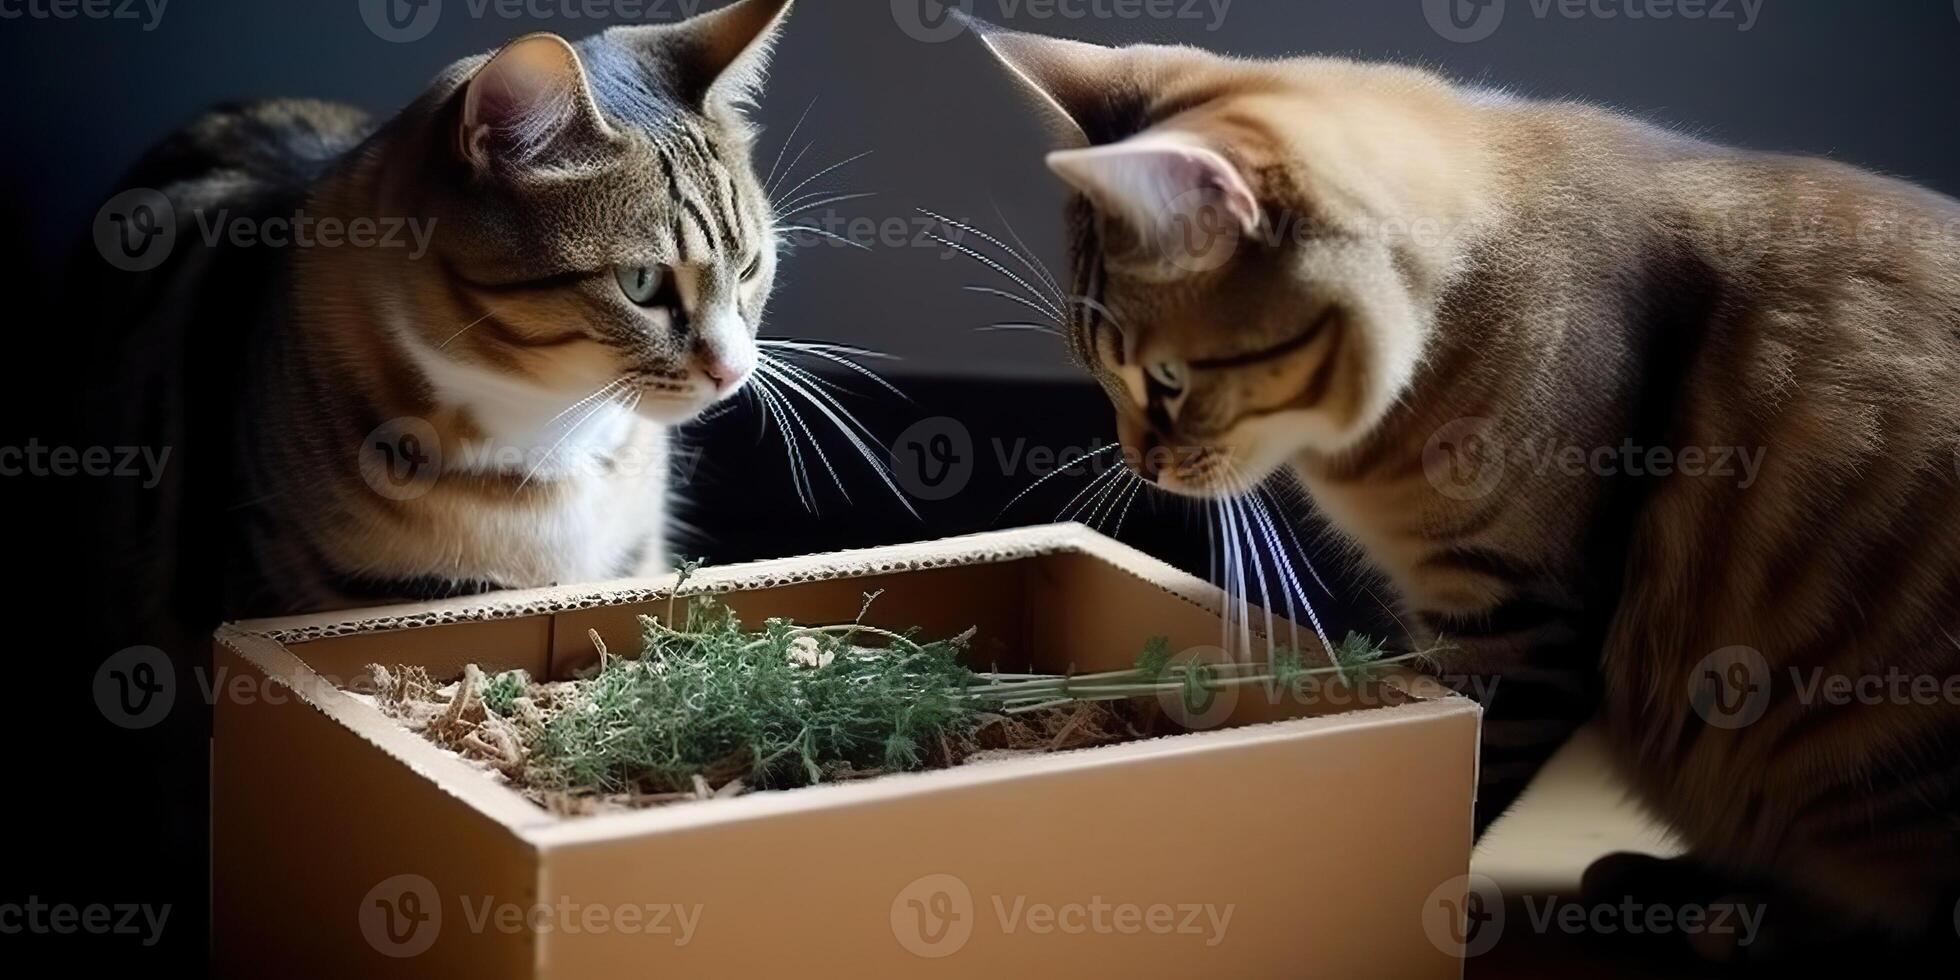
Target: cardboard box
(1293,840)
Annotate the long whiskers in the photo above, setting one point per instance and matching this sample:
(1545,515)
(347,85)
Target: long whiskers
(839,355)
(610,401)
(769,183)
(771,403)
(1053,291)
(798,382)
(1058,471)
(847,161)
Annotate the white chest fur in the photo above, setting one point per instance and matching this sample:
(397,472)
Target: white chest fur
(590,479)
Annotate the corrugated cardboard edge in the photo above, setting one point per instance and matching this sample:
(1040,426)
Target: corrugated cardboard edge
(992,547)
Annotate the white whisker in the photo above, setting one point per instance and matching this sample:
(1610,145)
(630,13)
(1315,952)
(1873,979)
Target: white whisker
(587,400)
(792,192)
(997,243)
(1136,490)
(841,417)
(1019,328)
(846,349)
(804,375)
(797,207)
(769,183)
(823,232)
(832,355)
(1058,471)
(1100,479)
(1047,306)
(790,409)
(799,474)
(1041,268)
(1016,297)
(535,467)
(465,330)
(1104,503)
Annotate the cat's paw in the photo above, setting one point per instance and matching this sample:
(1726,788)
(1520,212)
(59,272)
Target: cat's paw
(1715,919)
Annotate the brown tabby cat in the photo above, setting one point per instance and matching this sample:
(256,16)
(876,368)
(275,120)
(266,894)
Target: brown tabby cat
(490,413)
(1360,271)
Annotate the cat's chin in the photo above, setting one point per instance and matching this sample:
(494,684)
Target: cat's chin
(672,411)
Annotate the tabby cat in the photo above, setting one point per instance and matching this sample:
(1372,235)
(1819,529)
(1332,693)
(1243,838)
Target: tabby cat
(1404,291)
(491,413)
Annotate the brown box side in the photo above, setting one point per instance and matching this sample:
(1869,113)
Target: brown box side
(494,645)
(1337,890)
(312,825)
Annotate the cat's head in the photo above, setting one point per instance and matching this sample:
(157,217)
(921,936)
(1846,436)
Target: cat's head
(597,214)
(1247,289)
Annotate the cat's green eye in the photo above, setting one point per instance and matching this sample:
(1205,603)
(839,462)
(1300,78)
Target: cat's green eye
(644,284)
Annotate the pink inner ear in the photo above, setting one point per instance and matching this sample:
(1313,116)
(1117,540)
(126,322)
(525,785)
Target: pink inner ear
(1152,178)
(520,99)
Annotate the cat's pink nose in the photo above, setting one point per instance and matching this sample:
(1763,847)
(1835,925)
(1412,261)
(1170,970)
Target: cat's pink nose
(727,373)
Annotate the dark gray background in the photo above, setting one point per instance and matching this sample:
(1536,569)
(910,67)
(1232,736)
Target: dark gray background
(1868,82)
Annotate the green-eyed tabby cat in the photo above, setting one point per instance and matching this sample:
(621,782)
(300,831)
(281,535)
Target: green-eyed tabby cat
(1358,272)
(486,412)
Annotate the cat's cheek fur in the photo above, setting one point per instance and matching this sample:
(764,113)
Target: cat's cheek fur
(1384,334)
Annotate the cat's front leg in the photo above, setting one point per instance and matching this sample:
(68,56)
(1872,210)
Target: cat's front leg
(1532,665)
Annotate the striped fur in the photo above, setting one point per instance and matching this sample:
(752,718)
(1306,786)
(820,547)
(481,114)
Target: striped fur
(545,173)
(1438,266)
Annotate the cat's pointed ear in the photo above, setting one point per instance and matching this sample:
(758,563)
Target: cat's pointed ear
(1078,87)
(528,106)
(1157,179)
(718,57)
